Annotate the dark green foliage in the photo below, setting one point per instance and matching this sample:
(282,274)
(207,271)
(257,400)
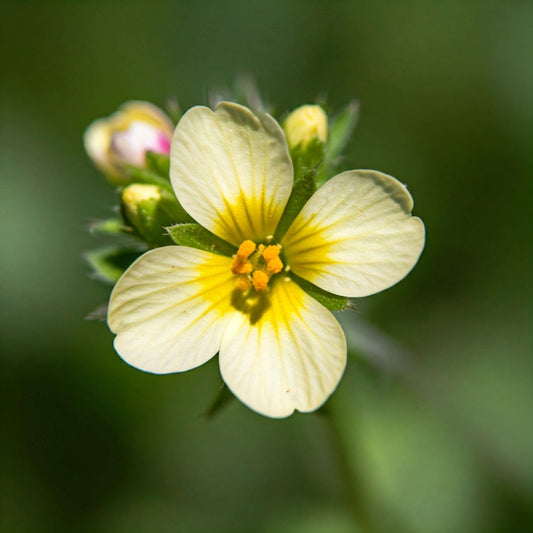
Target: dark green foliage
(109,263)
(333,302)
(197,236)
(303,189)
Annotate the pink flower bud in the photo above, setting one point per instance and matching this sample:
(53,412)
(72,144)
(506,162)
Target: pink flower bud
(124,138)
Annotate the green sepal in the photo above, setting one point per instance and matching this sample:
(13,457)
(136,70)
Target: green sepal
(109,263)
(109,226)
(158,163)
(330,301)
(223,398)
(307,157)
(172,209)
(196,236)
(142,175)
(341,128)
(117,230)
(303,189)
(150,217)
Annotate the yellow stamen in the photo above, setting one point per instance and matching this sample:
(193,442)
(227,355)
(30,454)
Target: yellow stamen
(255,265)
(260,280)
(274,265)
(240,266)
(246,249)
(271,252)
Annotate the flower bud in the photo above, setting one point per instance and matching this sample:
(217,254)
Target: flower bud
(124,138)
(149,209)
(304,124)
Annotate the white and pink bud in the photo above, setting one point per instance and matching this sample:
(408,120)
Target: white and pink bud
(126,136)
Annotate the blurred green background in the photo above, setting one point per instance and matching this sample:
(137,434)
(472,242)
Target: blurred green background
(444,444)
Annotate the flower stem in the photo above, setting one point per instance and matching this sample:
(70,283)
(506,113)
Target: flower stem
(352,480)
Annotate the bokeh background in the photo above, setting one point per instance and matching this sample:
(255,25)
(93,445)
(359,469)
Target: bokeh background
(435,426)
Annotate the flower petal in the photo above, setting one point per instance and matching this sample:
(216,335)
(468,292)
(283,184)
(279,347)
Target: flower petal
(97,140)
(170,307)
(231,171)
(138,110)
(355,236)
(292,358)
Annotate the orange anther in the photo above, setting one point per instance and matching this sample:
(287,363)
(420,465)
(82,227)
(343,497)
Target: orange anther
(240,266)
(246,249)
(271,252)
(260,280)
(275,265)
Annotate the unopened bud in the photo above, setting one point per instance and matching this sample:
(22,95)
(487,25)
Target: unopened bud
(124,138)
(149,209)
(304,124)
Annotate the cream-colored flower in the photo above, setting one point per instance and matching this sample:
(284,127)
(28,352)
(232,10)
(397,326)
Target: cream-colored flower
(125,137)
(304,124)
(280,349)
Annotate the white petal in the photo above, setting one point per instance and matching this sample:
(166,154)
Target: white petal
(140,111)
(170,307)
(355,236)
(292,358)
(97,140)
(231,171)
(132,144)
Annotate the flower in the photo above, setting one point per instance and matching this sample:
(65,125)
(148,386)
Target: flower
(126,136)
(304,124)
(279,348)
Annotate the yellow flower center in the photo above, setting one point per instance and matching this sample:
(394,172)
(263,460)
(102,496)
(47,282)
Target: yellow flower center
(255,265)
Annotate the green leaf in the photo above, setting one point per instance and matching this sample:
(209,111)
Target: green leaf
(340,131)
(303,189)
(330,301)
(158,163)
(197,236)
(222,399)
(141,175)
(109,263)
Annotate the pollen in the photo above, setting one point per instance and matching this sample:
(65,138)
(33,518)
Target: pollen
(275,265)
(260,280)
(240,266)
(246,249)
(271,252)
(255,265)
